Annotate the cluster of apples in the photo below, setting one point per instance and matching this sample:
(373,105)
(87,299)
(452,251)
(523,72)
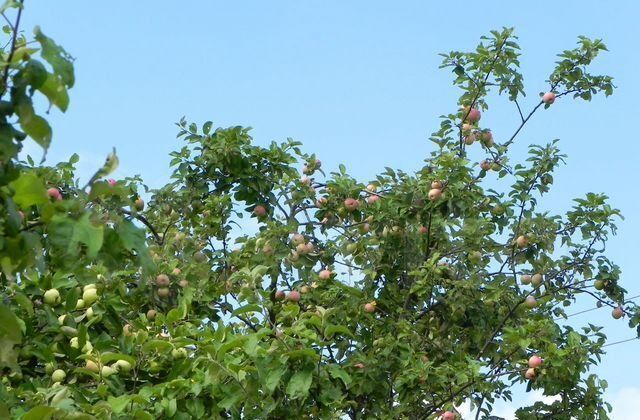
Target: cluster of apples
(534,362)
(435,193)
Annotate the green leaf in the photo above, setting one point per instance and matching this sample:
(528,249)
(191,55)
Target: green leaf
(299,384)
(338,373)
(40,412)
(68,233)
(252,307)
(55,91)
(9,325)
(57,57)
(29,190)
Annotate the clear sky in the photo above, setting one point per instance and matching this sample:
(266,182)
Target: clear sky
(358,83)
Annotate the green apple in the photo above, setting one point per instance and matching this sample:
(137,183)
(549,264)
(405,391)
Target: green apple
(89,286)
(90,296)
(92,366)
(122,366)
(80,304)
(52,297)
(179,353)
(107,371)
(58,375)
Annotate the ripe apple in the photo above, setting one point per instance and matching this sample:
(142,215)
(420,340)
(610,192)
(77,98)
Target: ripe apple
(370,307)
(372,188)
(107,371)
(530,302)
(525,279)
(112,182)
(549,98)
(373,199)
(535,361)
(89,296)
(359,365)
(617,313)
(138,204)
(530,374)
(351,204)
(474,115)
(436,185)
(305,180)
(522,241)
(309,248)
(423,230)
(536,279)
(179,353)
(52,297)
(54,193)
(435,194)
(470,139)
(301,249)
(466,128)
(485,165)
(151,314)
(487,138)
(280,294)
(162,280)
(448,415)
(598,284)
(293,296)
(92,366)
(58,375)
(163,292)
(122,366)
(259,211)
(325,274)
(297,239)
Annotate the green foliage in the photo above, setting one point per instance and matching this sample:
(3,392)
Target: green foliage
(412,291)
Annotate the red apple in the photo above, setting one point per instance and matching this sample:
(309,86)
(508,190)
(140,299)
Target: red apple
(370,307)
(259,211)
(162,280)
(485,165)
(176,271)
(466,128)
(351,204)
(423,230)
(549,98)
(293,296)
(280,294)
(522,241)
(112,182)
(473,116)
(617,313)
(535,361)
(54,193)
(372,199)
(525,279)
(435,194)
(325,274)
(530,302)
(530,374)
(448,415)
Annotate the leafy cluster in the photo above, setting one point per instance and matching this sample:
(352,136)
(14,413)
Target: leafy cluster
(244,289)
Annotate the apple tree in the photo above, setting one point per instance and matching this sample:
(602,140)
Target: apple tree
(255,285)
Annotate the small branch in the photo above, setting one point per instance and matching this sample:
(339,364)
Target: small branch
(15,28)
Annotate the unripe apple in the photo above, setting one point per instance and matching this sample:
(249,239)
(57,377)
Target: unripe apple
(549,98)
(304,289)
(267,249)
(372,188)
(496,167)
(474,115)
(370,307)
(530,302)
(179,353)
(107,371)
(297,239)
(138,204)
(530,374)
(58,375)
(525,279)
(89,312)
(598,284)
(200,256)
(373,199)
(325,274)
(351,204)
(176,271)
(485,165)
(617,313)
(487,138)
(163,292)
(423,230)
(475,257)
(151,314)
(162,280)
(351,248)
(435,194)
(92,366)
(61,318)
(80,304)
(49,368)
(90,296)
(470,139)
(535,361)
(466,128)
(89,286)
(280,294)
(448,415)
(54,193)
(122,366)
(52,297)
(127,330)
(184,283)
(301,249)
(536,279)
(522,241)
(436,185)
(365,227)
(293,296)
(259,211)
(294,256)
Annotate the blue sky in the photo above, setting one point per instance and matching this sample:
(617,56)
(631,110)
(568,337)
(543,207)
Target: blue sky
(358,83)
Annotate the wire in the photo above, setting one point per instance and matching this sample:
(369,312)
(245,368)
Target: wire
(592,309)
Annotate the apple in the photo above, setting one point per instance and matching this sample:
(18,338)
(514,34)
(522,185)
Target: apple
(54,193)
(522,241)
(535,361)
(112,182)
(423,230)
(487,138)
(89,286)
(351,204)
(52,297)
(373,199)
(58,375)
(549,98)
(176,271)
(370,307)
(92,366)
(163,292)
(351,248)
(179,353)
(107,371)
(530,374)
(496,167)
(530,302)
(321,202)
(200,256)
(304,289)
(525,279)
(372,188)
(259,211)
(365,227)
(309,248)
(325,274)
(466,128)
(184,283)
(536,279)
(617,313)
(127,330)
(89,312)
(151,314)
(122,366)
(267,249)
(138,204)
(470,139)
(80,304)
(49,368)
(436,185)
(294,256)
(473,115)
(301,249)
(293,296)
(305,180)
(89,296)
(435,194)
(280,294)
(475,257)
(598,284)
(61,319)
(448,415)
(359,365)
(297,239)
(485,165)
